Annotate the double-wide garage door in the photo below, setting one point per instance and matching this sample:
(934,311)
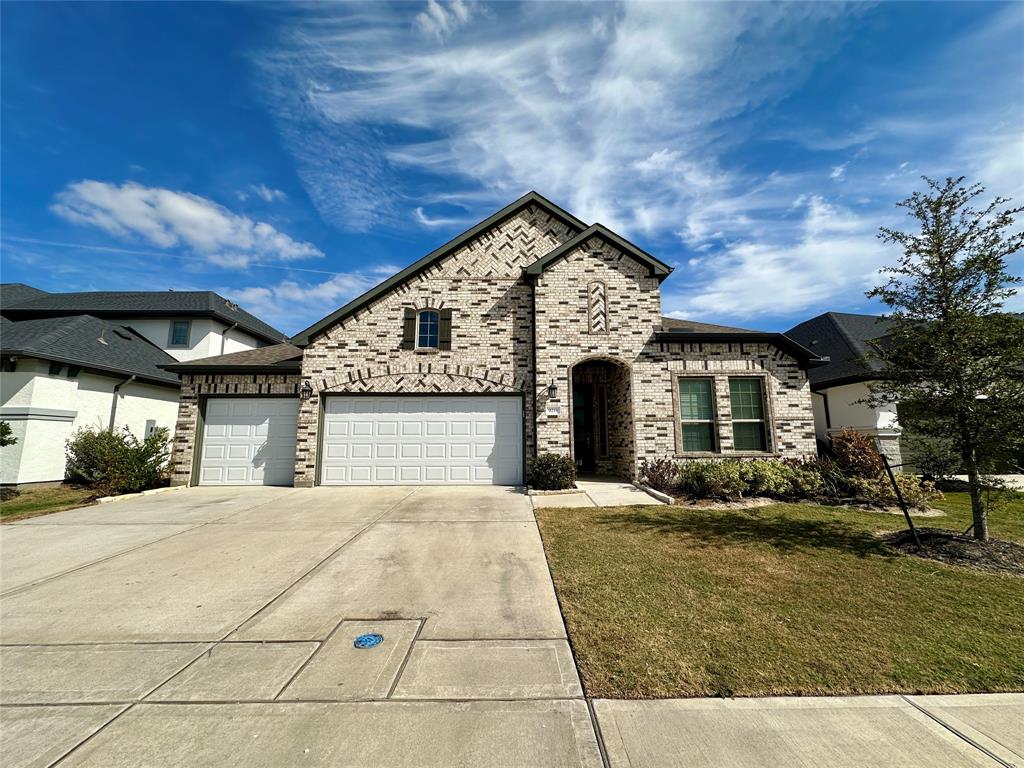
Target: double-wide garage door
(249,441)
(413,440)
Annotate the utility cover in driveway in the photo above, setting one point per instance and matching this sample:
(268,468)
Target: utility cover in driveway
(413,440)
(249,441)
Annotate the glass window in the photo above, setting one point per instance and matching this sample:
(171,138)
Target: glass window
(697,415)
(748,423)
(179,333)
(427,329)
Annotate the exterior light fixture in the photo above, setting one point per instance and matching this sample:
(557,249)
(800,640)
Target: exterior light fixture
(552,390)
(306,390)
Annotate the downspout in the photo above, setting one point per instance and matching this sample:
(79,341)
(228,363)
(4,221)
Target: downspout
(113,403)
(224,336)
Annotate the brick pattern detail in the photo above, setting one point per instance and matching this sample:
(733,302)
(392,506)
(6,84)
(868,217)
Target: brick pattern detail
(196,386)
(492,330)
(598,308)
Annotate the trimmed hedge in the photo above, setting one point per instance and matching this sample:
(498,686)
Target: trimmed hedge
(552,472)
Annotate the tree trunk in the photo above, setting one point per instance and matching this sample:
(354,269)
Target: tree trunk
(978,513)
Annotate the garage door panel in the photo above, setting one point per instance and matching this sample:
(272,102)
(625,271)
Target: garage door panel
(421,439)
(249,441)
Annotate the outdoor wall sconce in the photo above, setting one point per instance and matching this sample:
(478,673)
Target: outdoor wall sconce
(306,390)
(552,390)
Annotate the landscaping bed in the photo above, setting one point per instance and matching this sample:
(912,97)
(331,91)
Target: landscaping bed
(788,599)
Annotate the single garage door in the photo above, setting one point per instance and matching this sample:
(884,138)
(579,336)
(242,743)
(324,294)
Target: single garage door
(413,440)
(249,441)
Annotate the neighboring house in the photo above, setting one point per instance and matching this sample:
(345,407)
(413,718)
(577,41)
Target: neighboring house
(840,387)
(532,332)
(71,360)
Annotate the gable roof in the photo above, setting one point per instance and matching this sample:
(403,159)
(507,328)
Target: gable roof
(21,302)
(276,358)
(697,333)
(846,339)
(77,341)
(655,267)
(530,198)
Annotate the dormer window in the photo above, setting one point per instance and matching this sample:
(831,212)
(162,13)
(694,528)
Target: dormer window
(180,331)
(428,323)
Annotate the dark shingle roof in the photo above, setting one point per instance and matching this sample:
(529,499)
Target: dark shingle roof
(277,357)
(844,338)
(87,342)
(692,326)
(12,294)
(135,304)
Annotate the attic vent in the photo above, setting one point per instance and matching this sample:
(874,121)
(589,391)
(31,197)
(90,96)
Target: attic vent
(123,334)
(232,306)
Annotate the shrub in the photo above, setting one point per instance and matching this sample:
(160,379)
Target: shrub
(806,480)
(117,462)
(766,478)
(856,454)
(879,490)
(552,472)
(711,479)
(660,474)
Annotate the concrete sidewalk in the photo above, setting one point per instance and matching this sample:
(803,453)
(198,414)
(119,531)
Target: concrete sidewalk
(840,732)
(598,492)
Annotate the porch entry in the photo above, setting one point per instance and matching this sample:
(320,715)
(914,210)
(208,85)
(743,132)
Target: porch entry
(602,422)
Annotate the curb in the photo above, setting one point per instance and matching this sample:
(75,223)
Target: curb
(150,492)
(662,497)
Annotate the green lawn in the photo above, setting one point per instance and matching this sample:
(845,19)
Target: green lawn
(29,502)
(787,599)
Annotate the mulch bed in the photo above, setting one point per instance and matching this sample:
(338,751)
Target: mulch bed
(993,556)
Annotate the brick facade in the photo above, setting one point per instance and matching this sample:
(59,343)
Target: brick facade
(596,303)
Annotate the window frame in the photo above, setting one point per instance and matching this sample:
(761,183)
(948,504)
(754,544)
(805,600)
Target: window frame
(437,331)
(188,334)
(763,421)
(716,444)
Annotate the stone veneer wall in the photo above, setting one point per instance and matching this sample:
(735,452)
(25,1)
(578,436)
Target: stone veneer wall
(195,386)
(492,330)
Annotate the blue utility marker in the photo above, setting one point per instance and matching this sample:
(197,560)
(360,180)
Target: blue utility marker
(371,640)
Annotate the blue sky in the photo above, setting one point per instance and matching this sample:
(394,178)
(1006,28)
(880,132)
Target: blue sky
(290,157)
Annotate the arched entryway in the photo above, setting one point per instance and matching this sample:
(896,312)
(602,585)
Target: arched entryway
(602,418)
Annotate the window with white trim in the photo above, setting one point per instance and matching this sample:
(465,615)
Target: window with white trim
(428,324)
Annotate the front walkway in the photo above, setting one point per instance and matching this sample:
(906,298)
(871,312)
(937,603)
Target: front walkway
(216,626)
(597,492)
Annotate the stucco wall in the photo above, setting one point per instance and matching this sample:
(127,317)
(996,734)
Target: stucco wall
(844,410)
(492,337)
(58,406)
(205,337)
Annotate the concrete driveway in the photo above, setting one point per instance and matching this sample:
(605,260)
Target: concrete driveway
(215,626)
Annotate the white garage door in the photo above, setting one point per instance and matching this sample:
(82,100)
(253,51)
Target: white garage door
(421,440)
(249,441)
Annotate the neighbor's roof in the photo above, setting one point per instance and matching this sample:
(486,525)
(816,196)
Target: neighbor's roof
(87,342)
(20,303)
(656,268)
(530,198)
(846,339)
(277,358)
(693,326)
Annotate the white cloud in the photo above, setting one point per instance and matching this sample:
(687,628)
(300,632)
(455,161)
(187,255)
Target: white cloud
(262,191)
(838,172)
(441,19)
(296,304)
(170,219)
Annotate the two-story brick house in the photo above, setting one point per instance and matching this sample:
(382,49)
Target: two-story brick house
(532,332)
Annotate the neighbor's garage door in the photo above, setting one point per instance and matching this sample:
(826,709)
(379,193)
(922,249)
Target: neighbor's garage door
(416,440)
(249,441)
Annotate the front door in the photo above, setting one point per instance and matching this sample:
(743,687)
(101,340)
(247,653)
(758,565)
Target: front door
(583,426)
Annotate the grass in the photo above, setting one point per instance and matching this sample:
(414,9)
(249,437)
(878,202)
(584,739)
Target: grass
(42,500)
(786,599)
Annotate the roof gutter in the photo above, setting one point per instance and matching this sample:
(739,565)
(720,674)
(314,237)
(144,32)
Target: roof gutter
(93,367)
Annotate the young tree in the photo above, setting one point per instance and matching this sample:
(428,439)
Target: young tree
(955,361)
(6,435)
